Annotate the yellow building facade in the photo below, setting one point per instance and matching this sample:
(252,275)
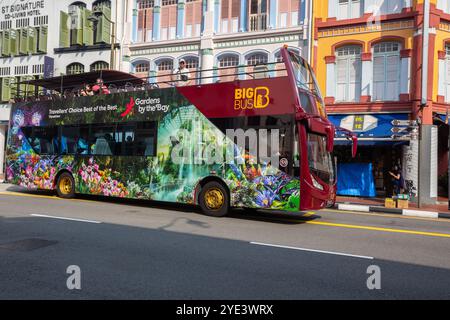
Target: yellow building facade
(368,57)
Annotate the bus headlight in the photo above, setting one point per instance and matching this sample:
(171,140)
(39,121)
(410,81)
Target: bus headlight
(316,184)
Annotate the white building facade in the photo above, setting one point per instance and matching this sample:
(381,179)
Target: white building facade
(42,38)
(209,35)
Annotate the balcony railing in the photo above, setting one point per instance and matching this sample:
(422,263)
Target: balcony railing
(258,22)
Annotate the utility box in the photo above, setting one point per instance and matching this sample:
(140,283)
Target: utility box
(402,204)
(389,203)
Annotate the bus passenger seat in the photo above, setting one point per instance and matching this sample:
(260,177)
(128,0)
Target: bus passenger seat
(102,147)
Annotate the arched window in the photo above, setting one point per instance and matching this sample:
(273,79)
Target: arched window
(164,72)
(228,61)
(257,58)
(348,74)
(165,65)
(228,67)
(74,68)
(253,60)
(386,71)
(141,67)
(192,64)
(350,9)
(99,65)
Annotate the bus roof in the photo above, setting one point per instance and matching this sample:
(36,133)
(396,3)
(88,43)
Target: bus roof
(65,82)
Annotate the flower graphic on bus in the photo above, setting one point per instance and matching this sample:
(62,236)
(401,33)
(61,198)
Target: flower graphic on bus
(129,108)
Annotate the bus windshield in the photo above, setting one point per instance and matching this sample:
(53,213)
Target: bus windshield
(306,83)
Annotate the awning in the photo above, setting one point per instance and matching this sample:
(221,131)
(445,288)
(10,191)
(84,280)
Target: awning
(441,117)
(118,78)
(371,129)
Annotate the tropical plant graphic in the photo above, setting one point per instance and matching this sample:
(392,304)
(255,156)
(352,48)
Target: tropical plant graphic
(161,177)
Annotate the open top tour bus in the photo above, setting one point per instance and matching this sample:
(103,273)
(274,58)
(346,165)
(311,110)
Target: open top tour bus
(261,139)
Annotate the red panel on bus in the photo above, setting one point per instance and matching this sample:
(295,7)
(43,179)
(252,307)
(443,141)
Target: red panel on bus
(242,98)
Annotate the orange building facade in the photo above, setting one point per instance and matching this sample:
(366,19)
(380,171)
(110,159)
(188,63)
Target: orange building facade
(368,56)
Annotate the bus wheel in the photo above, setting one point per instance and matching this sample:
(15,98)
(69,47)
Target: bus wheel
(65,186)
(214,200)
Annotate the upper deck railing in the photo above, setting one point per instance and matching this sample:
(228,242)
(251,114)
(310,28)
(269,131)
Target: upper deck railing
(200,77)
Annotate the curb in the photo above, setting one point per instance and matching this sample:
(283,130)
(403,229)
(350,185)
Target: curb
(380,209)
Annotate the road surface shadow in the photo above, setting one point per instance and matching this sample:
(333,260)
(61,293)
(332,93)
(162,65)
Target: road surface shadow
(129,262)
(272,216)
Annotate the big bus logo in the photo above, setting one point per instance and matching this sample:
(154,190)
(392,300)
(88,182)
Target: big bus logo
(251,98)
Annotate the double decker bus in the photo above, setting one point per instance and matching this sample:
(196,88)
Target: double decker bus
(260,140)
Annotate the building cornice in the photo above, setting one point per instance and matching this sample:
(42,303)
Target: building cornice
(221,41)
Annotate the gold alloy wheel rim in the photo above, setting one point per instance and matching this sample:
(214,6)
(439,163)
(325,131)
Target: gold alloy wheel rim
(214,199)
(65,185)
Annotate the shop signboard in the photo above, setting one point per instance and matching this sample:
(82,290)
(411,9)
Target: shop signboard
(372,125)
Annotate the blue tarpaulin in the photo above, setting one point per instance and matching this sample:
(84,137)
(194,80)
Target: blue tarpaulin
(355,179)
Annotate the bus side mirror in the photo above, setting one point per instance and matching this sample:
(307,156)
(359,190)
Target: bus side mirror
(354,146)
(330,139)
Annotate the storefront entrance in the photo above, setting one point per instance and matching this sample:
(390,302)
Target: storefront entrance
(380,150)
(382,157)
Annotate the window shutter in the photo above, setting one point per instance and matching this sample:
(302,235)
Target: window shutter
(356,8)
(224,9)
(235,8)
(76,28)
(64,39)
(6,43)
(392,77)
(6,89)
(103,26)
(14,40)
(447,82)
(32,40)
(341,79)
(354,89)
(23,42)
(343,9)
(88,35)
(43,34)
(378,77)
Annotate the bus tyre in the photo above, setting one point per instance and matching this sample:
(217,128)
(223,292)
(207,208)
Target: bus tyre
(65,186)
(214,199)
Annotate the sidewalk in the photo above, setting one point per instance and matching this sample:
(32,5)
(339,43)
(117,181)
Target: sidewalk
(439,210)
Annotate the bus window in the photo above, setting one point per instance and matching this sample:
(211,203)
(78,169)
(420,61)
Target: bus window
(43,140)
(145,139)
(125,140)
(104,142)
(305,101)
(69,140)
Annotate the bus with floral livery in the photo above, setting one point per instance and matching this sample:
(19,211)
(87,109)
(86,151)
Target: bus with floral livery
(260,141)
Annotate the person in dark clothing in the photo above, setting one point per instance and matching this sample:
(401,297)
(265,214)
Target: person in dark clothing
(397,180)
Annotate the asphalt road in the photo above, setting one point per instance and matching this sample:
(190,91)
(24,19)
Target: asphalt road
(144,250)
